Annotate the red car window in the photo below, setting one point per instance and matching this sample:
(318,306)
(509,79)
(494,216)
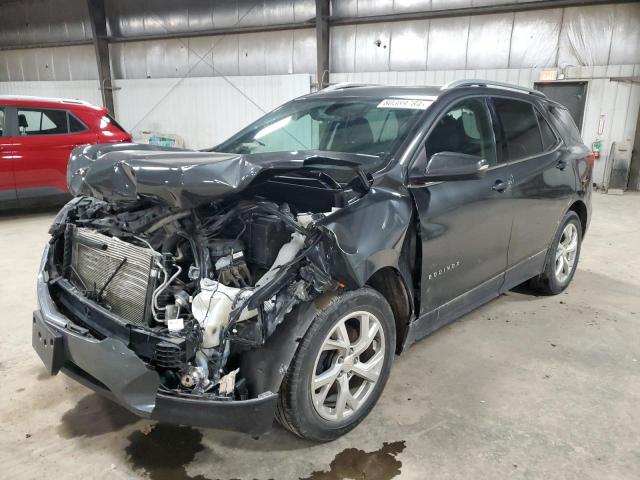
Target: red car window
(35,121)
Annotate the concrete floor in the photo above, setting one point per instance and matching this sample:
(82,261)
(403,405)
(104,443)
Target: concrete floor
(524,387)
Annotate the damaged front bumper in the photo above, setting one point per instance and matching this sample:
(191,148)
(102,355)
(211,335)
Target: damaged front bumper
(111,369)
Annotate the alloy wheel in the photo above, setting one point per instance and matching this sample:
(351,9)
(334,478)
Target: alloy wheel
(566,253)
(348,366)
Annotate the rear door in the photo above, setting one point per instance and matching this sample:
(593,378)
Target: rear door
(464,225)
(45,139)
(7,181)
(543,182)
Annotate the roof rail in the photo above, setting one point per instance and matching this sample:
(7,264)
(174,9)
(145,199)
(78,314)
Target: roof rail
(46,99)
(492,84)
(343,85)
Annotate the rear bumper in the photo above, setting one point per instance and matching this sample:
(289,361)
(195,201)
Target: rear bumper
(110,369)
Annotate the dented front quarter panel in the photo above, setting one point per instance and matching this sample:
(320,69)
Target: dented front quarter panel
(369,234)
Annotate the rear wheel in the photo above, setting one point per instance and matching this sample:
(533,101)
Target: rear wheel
(562,259)
(340,368)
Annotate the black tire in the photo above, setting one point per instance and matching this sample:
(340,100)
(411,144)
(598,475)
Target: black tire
(547,282)
(296,411)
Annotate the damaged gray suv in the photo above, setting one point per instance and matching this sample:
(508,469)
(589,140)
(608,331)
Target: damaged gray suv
(277,274)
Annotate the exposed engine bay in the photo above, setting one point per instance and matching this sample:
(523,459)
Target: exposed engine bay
(196,287)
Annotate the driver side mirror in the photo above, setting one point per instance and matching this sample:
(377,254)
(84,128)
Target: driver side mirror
(452,166)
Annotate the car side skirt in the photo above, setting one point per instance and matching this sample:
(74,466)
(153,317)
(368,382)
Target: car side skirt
(431,321)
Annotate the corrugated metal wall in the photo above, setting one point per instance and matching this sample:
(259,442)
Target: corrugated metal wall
(55,63)
(595,35)
(127,18)
(28,22)
(267,53)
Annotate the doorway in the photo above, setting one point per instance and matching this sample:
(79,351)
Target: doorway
(570,94)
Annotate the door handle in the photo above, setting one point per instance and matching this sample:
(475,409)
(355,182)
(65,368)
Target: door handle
(500,186)
(561,165)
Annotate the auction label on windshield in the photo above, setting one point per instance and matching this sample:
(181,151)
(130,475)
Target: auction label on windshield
(409,103)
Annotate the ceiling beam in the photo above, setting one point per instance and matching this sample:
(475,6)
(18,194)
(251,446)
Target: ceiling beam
(322,43)
(98,19)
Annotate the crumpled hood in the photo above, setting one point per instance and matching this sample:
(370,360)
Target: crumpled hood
(180,178)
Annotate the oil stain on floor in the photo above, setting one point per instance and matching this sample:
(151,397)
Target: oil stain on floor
(356,464)
(165,451)
(93,416)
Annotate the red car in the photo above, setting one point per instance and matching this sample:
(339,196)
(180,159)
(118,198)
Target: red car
(36,138)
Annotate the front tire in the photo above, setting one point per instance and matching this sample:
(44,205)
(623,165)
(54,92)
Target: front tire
(341,367)
(562,259)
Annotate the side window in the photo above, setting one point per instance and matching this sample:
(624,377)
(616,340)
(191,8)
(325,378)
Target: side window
(563,117)
(1,121)
(75,125)
(520,133)
(32,121)
(465,128)
(549,138)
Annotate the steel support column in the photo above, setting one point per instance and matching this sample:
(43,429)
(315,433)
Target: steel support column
(98,19)
(322,43)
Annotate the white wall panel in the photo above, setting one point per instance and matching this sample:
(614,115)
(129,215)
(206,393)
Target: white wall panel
(619,102)
(203,110)
(489,41)
(534,41)
(448,43)
(87,90)
(264,53)
(409,46)
(625,43)
(373,42)
(593,35)
(586,35)
(61,63)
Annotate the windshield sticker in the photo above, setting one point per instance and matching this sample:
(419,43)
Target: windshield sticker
(409,103)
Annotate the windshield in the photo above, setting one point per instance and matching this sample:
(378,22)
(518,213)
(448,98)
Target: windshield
(363,126)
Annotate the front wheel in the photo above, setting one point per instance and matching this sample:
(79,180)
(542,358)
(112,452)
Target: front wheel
(562,259)
(340,368)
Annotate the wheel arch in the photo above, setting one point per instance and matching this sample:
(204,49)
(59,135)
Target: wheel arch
(580,208)
(389,282)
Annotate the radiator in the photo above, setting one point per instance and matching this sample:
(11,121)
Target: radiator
(95,258)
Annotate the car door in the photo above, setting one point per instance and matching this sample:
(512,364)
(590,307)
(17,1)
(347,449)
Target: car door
(7,181)
(464,224)
(543,183)
(42,146)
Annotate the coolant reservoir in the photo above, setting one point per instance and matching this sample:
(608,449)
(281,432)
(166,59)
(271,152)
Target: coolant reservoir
(211,308)
(286,254)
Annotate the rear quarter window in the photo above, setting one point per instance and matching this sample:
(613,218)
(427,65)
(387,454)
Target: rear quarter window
(563,118)
(549,139)
(521,136)
(75,125)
